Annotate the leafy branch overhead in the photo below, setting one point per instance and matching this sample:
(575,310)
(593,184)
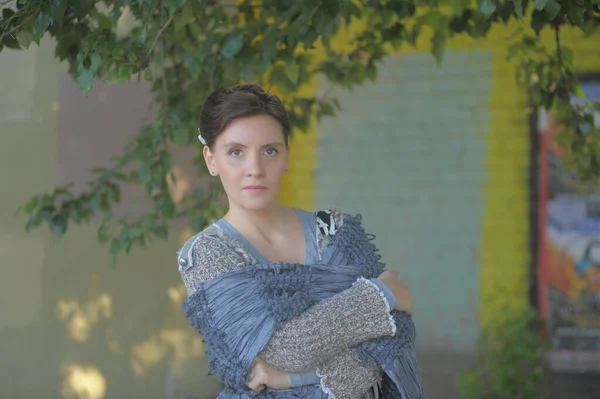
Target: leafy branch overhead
(187,48)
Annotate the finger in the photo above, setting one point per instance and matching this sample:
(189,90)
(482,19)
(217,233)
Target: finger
(255,385)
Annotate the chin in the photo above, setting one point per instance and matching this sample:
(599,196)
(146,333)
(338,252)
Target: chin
(258,204)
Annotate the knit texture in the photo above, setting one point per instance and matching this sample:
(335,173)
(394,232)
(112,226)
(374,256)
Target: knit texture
(240,312)
(356,315)
(335,378)
(214,252)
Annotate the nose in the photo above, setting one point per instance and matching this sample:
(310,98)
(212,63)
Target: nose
(255,167)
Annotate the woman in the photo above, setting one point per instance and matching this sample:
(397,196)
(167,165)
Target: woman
(314,354)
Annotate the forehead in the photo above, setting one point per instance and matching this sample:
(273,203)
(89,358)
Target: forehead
(253,130)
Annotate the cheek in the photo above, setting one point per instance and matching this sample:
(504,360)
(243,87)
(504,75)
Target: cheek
(281,165)
(230,172)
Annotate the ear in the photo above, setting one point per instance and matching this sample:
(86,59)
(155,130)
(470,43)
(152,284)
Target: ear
(209,159)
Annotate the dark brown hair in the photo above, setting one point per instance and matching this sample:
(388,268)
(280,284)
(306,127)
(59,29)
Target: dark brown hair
(229,103)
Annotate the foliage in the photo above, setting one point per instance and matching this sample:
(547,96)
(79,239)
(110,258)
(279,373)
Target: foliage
(512,356)
(187,48)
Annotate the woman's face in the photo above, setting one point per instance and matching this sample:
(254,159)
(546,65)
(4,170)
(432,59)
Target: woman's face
(251,157)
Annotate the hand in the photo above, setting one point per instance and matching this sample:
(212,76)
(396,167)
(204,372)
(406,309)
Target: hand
(399,289)
(262,376)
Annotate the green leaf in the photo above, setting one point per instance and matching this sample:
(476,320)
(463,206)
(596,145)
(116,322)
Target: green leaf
(487,7)
(326,109)
(280,78)
(24,38)
(82,7)
(103,234)
(578,91)
(185,17)
(58,224)
(293,72)
(116,245)
(568,55)
(161,232)
(232,46)
(552,9)
(148,75)
(437,46)
(404,9)
(575,14)
(7,13)
(10,42)
(30,206)
(85,80)
(95,62)
(540,4)
(115,78)
(331,8)
(538,20)
(269,47)
(57,9)
(518,4)
(43,21)
(432,18)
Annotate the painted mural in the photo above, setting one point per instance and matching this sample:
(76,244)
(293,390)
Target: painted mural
(570,250)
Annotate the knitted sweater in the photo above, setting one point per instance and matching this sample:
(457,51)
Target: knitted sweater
(324,336)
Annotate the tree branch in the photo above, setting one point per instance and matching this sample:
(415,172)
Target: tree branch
(559,52)
(165,91)
(26,20)
(160,32)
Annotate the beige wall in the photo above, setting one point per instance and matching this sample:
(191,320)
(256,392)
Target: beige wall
(70,325)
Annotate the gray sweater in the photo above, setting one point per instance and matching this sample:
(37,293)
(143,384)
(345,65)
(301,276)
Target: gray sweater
(325,336)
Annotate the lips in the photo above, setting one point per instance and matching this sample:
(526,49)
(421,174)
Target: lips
(255,188)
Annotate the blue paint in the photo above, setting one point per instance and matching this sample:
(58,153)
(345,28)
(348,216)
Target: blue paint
(409,152)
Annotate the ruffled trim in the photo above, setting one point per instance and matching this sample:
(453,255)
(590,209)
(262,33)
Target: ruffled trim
(322,382)
(387,304)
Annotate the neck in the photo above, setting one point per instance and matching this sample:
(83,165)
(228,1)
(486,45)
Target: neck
(261,220)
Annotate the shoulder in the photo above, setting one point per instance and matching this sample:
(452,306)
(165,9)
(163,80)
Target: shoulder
(209,254)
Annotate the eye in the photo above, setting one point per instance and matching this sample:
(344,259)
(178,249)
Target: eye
(271,152)
(235,153)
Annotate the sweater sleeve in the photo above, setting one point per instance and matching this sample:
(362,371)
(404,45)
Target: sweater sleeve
(355,315)
(344,376)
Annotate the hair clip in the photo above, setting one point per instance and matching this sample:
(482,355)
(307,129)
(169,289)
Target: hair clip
(201,138)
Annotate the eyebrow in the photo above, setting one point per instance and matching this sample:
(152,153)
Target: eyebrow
(272,144)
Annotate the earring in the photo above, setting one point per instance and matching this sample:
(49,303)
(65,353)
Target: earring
(212,172)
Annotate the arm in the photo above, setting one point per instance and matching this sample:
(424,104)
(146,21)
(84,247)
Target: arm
(365,322)
(343,375)
(339,362)
(358,314)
